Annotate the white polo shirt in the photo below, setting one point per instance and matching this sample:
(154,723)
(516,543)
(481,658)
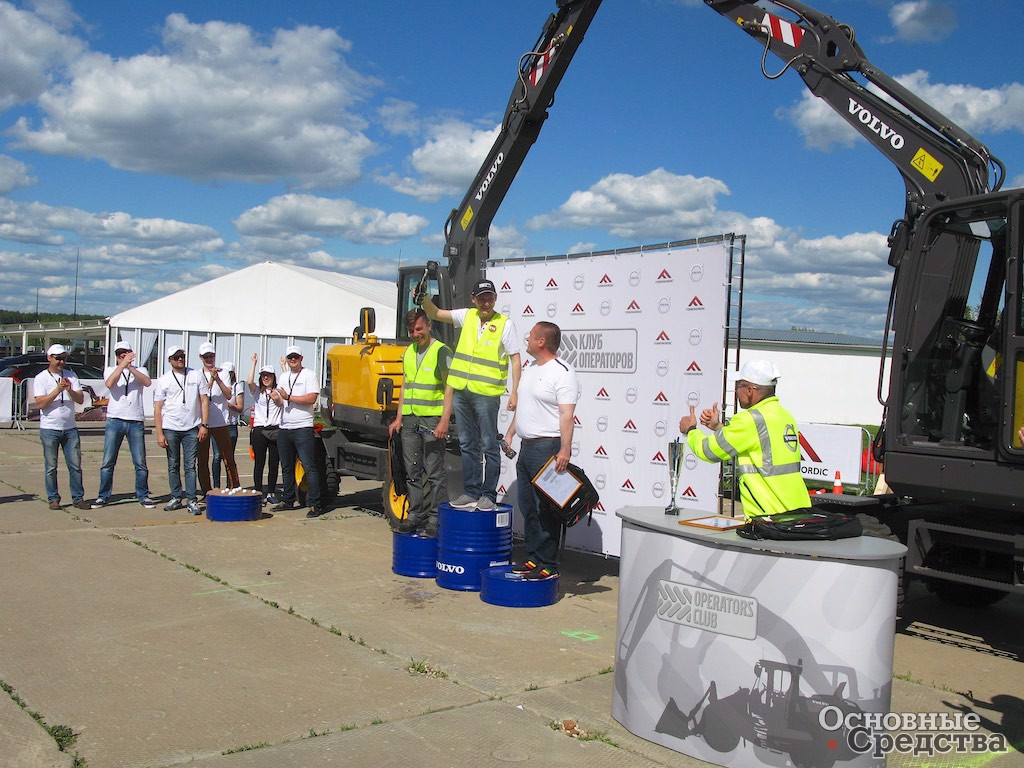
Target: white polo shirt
(125,396)
(60,414)
(179,394)
(542,388)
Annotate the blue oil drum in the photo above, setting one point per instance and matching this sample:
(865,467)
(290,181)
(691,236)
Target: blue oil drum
(499,586)
(469,541)
(242,505)
(414,555)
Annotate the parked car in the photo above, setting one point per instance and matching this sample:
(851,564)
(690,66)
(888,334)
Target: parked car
(22,367)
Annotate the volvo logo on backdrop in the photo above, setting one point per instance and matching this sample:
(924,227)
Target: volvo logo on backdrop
(528,285)
(606,308)
(552,309)
(629,455)
(602,423)
(690,461)
(504,415)
(600,351)
(600,481)
(697,273)
(631,395)
(506,310)
(575,450)
(662,368)
(692,398)
(658,490)
(660,428)
(695,337)
(634,278)
(578,282)
(664,305)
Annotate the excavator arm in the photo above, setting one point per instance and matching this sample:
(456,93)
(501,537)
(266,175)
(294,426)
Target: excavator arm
(939,161)
(539,73)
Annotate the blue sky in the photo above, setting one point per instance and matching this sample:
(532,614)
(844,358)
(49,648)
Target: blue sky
(165,143)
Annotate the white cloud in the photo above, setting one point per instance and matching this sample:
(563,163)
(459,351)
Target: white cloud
(446,163)
(287,215)
(13,175)
(217,104)
(926,21)
(32,50)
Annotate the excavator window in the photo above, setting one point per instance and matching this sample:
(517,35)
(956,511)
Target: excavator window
(954,372)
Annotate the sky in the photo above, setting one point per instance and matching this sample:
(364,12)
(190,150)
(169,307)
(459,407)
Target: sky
(147,147)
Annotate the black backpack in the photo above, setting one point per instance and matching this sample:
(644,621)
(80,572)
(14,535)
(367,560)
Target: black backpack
(802,525)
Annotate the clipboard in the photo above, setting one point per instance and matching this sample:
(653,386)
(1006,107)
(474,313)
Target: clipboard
(558,487)
(715,522)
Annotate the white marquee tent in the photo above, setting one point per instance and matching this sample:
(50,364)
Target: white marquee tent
(261,309)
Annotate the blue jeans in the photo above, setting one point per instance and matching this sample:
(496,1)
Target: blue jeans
(299,442)
(477,418)
(53,440)
(542,529)
(233,432)
(114,433)
(181,449)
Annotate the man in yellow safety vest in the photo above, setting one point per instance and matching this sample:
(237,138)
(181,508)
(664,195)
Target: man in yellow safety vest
(487,353)
(762,438)
(422,422)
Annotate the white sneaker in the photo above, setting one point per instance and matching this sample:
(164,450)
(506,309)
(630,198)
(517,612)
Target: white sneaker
(193,508)
(463,502)
(172,505)
(485,505)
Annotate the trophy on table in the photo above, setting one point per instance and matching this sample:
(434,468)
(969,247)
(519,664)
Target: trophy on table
(676,450)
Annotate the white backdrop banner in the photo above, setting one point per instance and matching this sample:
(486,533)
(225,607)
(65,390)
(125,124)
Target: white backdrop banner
(645,330)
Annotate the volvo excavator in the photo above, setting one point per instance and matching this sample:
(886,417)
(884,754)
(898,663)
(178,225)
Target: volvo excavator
(953,396)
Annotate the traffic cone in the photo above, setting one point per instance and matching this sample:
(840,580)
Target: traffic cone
(837,485)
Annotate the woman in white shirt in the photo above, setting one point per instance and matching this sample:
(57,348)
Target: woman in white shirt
(235,407)
(266,421)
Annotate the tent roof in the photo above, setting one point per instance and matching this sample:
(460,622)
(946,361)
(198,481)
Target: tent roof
(272,299)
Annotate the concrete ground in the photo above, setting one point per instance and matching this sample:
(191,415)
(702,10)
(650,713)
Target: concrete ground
(155,639)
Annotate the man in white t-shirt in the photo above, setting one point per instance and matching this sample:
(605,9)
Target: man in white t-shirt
(125,418)
(297,392)
(56,393)
(548,393)
(178,416)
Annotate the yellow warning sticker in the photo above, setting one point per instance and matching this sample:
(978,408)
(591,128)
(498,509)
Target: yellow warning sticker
(468,217)
(928,166)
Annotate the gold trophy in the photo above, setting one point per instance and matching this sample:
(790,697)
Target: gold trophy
(676,451)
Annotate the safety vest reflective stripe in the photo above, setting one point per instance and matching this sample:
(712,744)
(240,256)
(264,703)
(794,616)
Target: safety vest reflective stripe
(478,364)
(424,393)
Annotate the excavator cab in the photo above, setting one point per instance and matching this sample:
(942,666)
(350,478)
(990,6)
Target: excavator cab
(958,358)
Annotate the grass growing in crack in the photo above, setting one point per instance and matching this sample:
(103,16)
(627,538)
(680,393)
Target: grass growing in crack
(377,721)
(606,671)
(64,736)
(313,733)
(572,729)
(247,748)
(533,687)
(422,668)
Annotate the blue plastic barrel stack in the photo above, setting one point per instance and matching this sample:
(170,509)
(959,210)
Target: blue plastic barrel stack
(470,541)
(414,555)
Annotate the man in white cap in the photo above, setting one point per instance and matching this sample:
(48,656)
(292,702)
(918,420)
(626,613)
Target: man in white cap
(125,418)
(296,395)
(487,352)
(762,438)
(178,416)
(217,394)
(56,393)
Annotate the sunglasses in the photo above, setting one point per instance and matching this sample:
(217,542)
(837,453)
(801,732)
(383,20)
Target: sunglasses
(59,358)
(208,354)
(176,357)
(294,357)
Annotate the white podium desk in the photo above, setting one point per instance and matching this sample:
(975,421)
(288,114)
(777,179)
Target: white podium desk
(752,653)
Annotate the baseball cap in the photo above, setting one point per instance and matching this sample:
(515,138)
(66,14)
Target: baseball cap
(229,367)
(293,350)
(56,349)
(761,372)
(206,348)
(172,351)
(484,286)
(268,369)
(123,345)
